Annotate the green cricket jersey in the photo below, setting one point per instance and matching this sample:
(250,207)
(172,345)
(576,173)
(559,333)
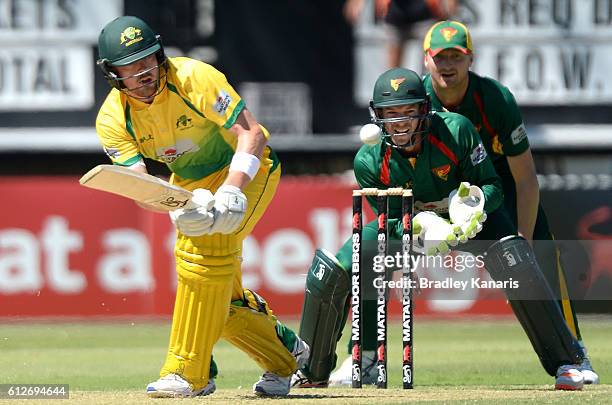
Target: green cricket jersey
(451,152)
(492,109)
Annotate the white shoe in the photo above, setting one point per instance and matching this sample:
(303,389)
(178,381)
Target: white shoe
(273,385)
(569,378)
(343,376)
(175,386)
(590,376)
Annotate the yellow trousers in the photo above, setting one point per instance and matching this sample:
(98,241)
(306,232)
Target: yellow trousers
(209,278)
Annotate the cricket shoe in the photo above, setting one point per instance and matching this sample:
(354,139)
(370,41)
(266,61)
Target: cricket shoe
(274,385)
(175,386)
(569,378)
(590,376)
(344,375)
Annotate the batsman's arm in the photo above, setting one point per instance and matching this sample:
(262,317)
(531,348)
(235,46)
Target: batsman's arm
(251,142)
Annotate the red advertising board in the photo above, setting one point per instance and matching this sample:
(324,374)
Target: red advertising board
(70,251)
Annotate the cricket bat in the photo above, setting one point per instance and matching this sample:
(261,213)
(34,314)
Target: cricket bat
(137,186)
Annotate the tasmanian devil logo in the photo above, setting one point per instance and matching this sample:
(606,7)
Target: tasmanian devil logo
(395,83)
(448,33)
(442,171)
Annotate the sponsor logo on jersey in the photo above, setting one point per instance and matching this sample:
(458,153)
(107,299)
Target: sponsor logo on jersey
(448,33)
(223,101)
(478,154)
(519,134)
(130,35)
(112,153)
(183,122)
(171,153)
(442,171)
(395,83)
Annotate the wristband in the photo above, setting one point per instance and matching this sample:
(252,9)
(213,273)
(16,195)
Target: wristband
(245,163)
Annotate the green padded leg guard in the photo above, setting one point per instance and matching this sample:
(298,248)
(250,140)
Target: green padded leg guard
(324,313)
(533,303)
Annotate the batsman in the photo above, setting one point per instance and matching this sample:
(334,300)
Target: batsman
(459,198)
(184,113)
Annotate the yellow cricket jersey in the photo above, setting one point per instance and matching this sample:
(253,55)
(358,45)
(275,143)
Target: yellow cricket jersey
(185,127)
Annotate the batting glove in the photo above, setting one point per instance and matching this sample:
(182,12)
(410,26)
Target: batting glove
(195,221)
(230,207)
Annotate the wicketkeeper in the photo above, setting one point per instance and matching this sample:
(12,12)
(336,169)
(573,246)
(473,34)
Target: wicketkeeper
(440,156)
(183,112)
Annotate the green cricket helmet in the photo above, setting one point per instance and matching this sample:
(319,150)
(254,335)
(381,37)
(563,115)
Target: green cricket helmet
(398,87)
(126,40)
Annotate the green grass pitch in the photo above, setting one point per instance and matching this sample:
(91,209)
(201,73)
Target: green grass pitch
(476,361)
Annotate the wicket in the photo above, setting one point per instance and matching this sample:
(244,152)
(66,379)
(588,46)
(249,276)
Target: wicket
(382,206)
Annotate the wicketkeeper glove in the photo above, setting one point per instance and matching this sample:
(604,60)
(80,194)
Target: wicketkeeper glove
(433,234)
(195,221)
(230,207)
(466,209)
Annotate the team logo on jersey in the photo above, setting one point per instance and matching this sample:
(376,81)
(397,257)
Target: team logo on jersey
(183,122)
(222,103)
(130,36)
(478,154)
(143,139)
(497,146)
(442,171)
(395,83)
(448,33)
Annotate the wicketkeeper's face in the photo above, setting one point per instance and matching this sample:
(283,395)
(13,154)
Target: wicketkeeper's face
(140,79)
(403,131)
(449,68)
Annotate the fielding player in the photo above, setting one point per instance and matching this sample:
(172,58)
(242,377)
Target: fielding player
(184,113)
(492,109)
(433,153)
